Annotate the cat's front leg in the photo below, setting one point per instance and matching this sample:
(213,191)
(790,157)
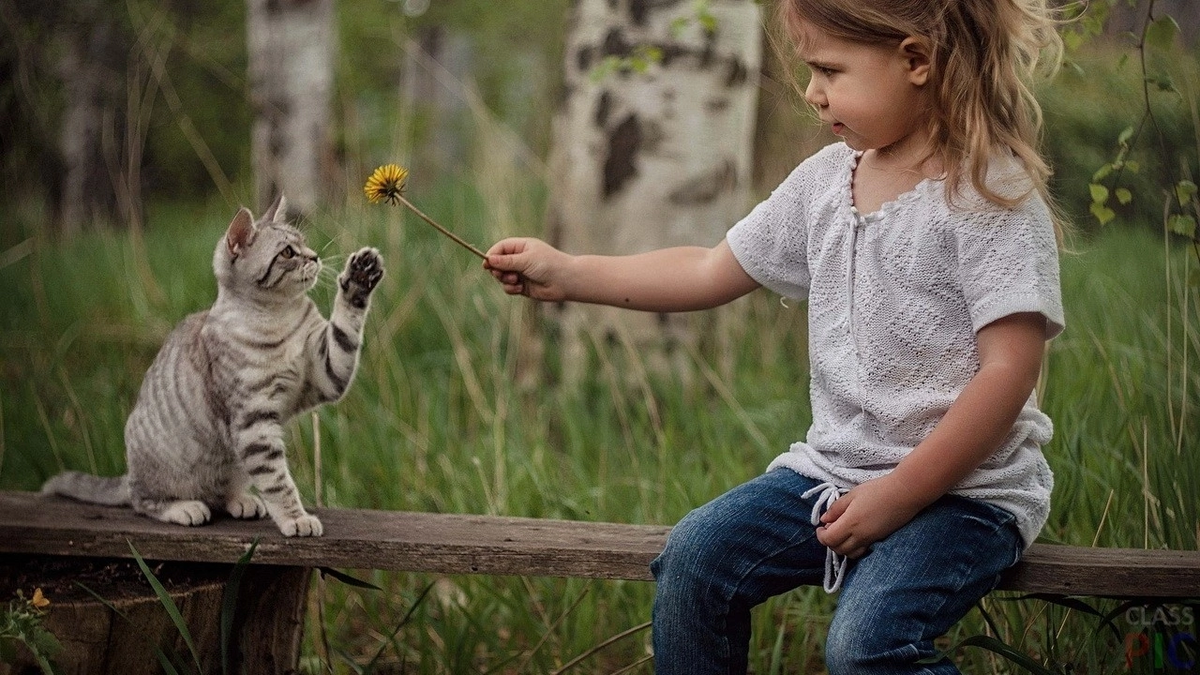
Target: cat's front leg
(336,348)
(263,456)
(243,504)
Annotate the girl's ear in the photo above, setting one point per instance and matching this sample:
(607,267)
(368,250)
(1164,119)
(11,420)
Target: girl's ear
(240,232)
(916,54)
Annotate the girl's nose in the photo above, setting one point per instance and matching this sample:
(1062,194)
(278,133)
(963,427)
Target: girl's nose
(814,94)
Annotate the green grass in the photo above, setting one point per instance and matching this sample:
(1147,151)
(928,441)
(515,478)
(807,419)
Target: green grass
(440,419)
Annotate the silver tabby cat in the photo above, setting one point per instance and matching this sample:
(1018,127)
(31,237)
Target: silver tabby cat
(208,423)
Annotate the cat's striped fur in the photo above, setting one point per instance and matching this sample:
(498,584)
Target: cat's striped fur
(208,422)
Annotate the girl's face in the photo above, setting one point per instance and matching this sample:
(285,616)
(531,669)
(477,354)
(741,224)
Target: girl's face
(873,96)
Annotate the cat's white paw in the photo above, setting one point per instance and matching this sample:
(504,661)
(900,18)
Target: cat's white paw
(247,507)
(305,526)
(190,513)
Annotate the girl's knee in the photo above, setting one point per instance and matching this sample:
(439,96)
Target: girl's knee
(867,646)
(686,552)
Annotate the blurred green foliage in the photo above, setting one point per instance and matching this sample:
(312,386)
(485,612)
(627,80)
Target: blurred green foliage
(202,50)
(1096,106)
(514,52)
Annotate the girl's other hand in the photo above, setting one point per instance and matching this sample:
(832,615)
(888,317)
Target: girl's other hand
(526,266)
(865,515)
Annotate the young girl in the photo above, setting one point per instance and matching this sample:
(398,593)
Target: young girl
(926,250)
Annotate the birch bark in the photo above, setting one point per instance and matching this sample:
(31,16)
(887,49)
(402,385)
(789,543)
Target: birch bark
(654,159)
(290,49)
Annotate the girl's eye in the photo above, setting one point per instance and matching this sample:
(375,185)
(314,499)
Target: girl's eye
(826,72)
(287,252)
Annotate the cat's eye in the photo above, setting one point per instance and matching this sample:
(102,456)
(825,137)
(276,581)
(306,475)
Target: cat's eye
(288,252)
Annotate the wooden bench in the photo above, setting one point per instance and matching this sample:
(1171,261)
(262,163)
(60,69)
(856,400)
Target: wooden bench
(493,545)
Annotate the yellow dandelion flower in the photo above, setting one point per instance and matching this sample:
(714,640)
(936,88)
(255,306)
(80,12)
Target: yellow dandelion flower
(386,184)
(39,601)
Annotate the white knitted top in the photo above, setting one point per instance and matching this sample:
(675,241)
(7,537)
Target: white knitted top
(894,301)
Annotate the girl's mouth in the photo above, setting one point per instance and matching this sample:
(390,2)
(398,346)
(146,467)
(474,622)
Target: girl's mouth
(837,128)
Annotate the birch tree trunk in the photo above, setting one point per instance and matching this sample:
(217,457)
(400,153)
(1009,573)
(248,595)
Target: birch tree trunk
(92,70)
(290,48)
(647,160)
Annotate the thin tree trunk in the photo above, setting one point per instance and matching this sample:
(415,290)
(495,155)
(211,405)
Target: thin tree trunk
(91,68)
(290,49)
(654,159)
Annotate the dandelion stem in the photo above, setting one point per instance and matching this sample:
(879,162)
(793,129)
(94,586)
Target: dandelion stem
(441,229)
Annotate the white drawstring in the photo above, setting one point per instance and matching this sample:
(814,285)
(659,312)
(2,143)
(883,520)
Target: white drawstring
(836,564)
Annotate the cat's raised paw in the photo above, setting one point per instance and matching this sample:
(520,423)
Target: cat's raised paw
(305,526)
(247,507)
(190,513)
(363,271)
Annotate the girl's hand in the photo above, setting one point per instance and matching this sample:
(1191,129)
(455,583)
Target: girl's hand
(866,514)
(526,266)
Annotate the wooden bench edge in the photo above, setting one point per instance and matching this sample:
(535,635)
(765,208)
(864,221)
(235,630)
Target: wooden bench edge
(500,545)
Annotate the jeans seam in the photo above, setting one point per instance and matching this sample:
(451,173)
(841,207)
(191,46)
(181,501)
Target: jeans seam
(792,543)
(996,527)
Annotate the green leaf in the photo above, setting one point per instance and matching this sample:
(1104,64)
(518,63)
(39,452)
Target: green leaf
(678,25)
(1102,213)
(163,661)
(1124,196)
(44,643)
(1163,83)
(347,579)
(1102,173)
(229,600)
(1184,191)
(1099,193)
(1132,166)
(168,604)
(993,645)
(1161,34)
(1072,39)
(1182,225)
(1126,134)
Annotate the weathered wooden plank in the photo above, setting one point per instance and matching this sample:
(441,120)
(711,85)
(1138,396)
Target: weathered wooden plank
(363,539)
(468,544)
(1106,572)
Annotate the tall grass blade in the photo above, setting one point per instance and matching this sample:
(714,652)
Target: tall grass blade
(403,622)
(630,668)
(163,661)
(995,645)
(616,638)
(168,604)
(229,601)
(347,579)
(359,670)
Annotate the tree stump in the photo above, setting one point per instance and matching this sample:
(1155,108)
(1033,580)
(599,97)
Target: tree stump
(121,633)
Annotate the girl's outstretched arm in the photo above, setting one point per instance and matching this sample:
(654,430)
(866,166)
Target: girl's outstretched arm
(676,279)
(1010,357)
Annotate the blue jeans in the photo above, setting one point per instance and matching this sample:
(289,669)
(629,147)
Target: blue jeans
(756,541)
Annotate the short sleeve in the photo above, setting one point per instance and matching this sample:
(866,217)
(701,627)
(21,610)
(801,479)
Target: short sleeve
(771,242)
(1008,263)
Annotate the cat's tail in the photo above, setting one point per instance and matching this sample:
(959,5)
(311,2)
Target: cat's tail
(103,490)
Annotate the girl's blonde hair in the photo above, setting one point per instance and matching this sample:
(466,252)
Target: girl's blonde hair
(984,55)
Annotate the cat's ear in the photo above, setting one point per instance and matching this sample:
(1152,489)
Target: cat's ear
(240,232)
(277,211)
